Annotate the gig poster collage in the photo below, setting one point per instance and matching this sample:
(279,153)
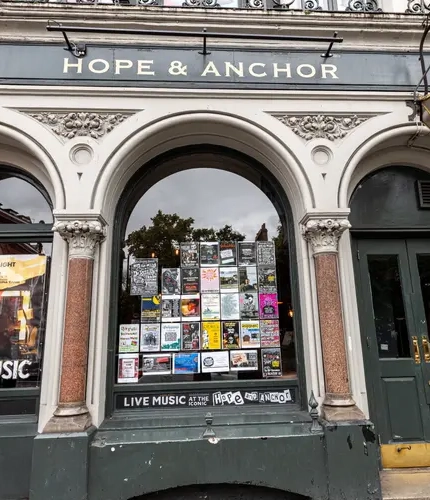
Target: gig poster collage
(216,313)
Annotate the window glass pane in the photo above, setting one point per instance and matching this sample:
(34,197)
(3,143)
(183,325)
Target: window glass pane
(200,298)
(21,202)
(424,273)
(23,300)
(388,307)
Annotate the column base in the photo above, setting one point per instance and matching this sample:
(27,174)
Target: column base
(69,417)
(340,407)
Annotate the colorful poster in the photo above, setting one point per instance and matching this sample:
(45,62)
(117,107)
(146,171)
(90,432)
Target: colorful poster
(170,336)
(209,279)
(211,335)
(269,333)
(266,253)
(228,253)
(269,306)
(228,279)
(128,338)
(215,362)
(190,336)
(243,360)
(210,306)
(150,309)
(170,309)
(128,368)
(267,279)
(186,362)
(249,334)
(171,281)
(149,337)
(190,307)
(190,280)
(209,254)
(248,279)
(189,254)
(246,253)
(230,306)
(271,365)
(157,364)
(248,304)
(144,277)
(230,334)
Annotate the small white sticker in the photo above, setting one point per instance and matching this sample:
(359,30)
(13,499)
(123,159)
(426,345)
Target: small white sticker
(384,347)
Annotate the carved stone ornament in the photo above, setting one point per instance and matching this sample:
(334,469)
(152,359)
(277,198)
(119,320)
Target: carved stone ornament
(324,234)
(75,124)
(321,126)
(82,236)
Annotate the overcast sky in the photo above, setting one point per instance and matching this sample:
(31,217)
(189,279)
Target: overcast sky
(212,197)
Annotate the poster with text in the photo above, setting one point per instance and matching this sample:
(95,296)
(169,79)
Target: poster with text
(128,368)
(269,333)
(157,364)
(128,338)
(248,279)
(170,336)
(171,281)
(248,304)
(267,279)
(150,337)
(190,254)
(269,306)
(144,277)
(266,253)
(228,279)
(230,334)
(211,335)
(190,336)
(190,307)
(186,362)
(150,309)
(170,308)
(209,280)
(228,253)
(210,306)
(246,251)
(244,360)
(230,306)
(271,364)
(249,334)
(190,280)
(215,362)
(209,253)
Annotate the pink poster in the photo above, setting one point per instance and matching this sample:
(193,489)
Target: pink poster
(268,306)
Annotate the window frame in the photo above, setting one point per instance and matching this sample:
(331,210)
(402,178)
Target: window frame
(145,178)
(26,233)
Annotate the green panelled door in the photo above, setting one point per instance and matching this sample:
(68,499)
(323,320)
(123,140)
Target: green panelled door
(393,281)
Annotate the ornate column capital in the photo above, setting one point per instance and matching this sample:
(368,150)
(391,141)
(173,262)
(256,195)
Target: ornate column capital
(324,233)
(81,235)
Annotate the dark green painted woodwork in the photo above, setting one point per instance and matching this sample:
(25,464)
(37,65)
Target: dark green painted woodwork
(396,385)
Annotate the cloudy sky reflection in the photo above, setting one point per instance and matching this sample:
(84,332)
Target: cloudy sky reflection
(212,197)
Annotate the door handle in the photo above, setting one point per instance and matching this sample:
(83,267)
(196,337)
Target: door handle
(417,356)
(426,348)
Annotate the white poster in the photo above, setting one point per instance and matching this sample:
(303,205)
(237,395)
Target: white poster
(128,368)
(215,361)
(128,338)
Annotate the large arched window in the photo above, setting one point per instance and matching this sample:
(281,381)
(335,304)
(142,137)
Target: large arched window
(205,302)
(25,251)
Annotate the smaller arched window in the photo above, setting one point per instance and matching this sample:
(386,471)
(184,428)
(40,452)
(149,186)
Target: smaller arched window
(25,252)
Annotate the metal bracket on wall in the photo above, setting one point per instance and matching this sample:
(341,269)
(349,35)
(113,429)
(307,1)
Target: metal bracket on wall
(81,51)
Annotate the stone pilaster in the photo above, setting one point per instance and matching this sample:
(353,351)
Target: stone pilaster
(72,414)
(323,234)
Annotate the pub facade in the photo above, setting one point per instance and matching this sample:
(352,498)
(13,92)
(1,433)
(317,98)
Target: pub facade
(214,225)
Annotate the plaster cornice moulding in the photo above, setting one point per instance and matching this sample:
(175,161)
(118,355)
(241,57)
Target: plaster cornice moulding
(70,124)
(332,127)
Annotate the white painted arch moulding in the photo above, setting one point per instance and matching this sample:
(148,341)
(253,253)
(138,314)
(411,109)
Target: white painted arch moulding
(365,148)
(188,128)
(42,160)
